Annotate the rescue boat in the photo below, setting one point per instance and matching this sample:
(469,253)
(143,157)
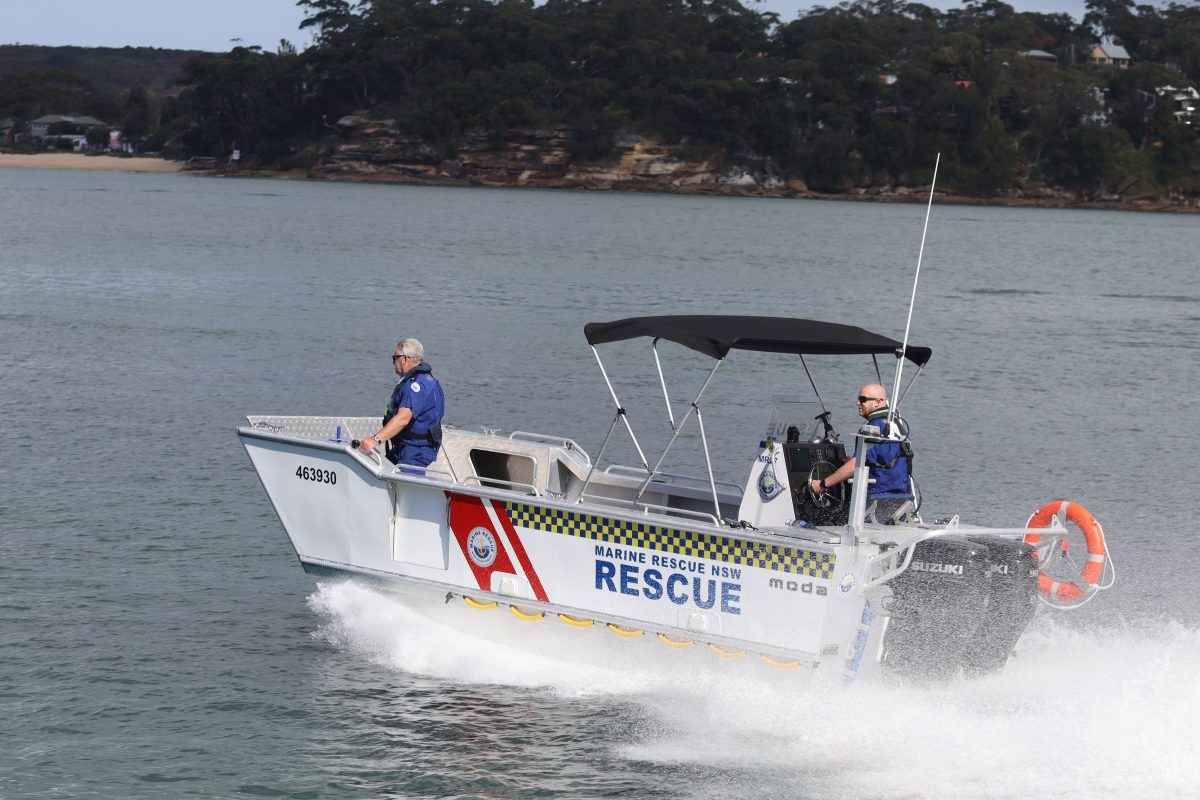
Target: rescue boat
(838,584)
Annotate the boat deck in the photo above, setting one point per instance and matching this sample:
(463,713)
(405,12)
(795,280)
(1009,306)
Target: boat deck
(555,469)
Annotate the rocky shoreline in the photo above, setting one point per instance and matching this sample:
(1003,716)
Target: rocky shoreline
(373,151)
(919,195)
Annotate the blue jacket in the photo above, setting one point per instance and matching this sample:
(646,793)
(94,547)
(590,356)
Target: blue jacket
(420,392)
(890,462)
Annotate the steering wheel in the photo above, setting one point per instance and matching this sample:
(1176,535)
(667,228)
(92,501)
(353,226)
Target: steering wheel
(834,496)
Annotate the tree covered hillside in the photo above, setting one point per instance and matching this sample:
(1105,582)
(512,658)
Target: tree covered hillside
(858,94)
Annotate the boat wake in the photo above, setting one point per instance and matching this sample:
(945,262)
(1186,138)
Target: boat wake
(1112,711)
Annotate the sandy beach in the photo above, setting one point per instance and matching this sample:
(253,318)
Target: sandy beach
(103,163)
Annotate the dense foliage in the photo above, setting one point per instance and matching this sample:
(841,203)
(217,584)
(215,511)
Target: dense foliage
(861,93)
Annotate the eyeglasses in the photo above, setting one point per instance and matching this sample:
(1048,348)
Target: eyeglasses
(862,399)
(397,358)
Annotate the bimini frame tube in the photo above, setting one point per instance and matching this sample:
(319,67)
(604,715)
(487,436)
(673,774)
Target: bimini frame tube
(712,481)
(707,459)
(623,417)
(812,383)
(663,382)
(911,381)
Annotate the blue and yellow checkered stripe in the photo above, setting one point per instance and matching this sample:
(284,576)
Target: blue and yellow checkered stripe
(672,540)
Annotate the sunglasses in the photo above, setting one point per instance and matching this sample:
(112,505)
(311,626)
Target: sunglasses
(862,399)
(396,358)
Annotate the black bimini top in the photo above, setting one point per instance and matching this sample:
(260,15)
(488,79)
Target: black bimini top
(716,335)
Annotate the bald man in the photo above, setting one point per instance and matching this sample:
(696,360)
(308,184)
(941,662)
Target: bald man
(889,462)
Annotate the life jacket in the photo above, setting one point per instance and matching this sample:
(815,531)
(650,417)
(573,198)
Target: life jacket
(419,433)
(891,475)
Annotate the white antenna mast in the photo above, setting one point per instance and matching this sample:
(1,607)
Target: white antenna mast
(913,300)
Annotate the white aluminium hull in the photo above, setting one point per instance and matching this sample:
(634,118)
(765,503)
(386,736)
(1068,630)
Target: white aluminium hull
(794,596)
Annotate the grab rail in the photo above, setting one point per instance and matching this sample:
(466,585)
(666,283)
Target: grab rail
(640,472)
(511,484)
(375,458)
(1053,533)
(682,512)
(562,441)
(425,472)
(374,455)
(648,507)
(890,555)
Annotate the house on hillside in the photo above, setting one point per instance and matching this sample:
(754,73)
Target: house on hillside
(1184,101)
(39,129)
(1107,54)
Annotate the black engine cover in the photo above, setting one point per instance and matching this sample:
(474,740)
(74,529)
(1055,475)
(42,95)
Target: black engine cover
(961,605)
(1012,601)
(936,607)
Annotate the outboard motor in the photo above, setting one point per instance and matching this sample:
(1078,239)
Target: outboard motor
(936,608)
(1012,601)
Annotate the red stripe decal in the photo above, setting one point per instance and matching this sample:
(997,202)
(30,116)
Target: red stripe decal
(519,551)
(477,538)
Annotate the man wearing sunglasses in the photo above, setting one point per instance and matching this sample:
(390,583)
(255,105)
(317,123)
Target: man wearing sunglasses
(412,423)
(889,462)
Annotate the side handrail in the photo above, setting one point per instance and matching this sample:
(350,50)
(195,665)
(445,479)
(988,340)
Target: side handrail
(1053,533)
(374,457)
(682,512)
(891,555)
(531,489)
(652,508)
(561,441)
(425,472)
(639,472)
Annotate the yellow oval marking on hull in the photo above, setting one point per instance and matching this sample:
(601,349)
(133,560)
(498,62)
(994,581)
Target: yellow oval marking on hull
(780,664)
(667,640)
(727,653)
(617,629)
(528,617)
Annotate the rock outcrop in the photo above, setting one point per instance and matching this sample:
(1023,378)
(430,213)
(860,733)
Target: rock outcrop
(375,150)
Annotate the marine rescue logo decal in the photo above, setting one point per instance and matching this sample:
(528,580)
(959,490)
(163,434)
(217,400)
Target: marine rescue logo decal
(769,486)
(481,547)
(489,543)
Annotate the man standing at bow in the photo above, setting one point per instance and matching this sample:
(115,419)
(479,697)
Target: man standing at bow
(412,424)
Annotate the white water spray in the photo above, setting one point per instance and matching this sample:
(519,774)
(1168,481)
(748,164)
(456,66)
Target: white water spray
(1076,714)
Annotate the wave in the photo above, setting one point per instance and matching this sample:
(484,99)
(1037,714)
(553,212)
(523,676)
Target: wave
(1005,291)
(1169,298)
(1107,711)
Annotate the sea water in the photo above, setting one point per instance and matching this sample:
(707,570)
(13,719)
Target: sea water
(160,640)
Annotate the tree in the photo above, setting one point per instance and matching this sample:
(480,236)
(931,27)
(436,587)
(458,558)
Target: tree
(98,137)
(138,119)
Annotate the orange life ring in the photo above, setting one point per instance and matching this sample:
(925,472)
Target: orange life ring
(1097,551)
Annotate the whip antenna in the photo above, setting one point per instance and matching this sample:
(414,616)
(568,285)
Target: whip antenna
(913,300)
